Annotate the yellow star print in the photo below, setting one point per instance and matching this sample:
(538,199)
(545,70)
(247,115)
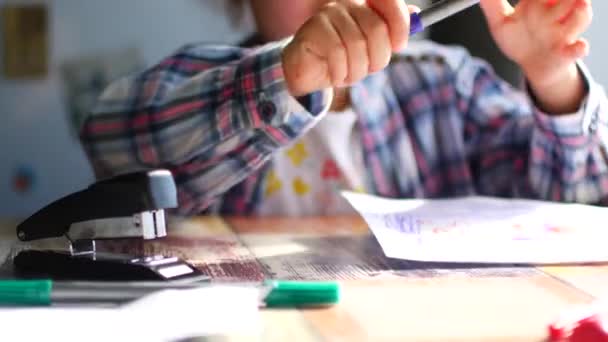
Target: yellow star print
(273,184)
(359,189)
(300,187)
(297,154)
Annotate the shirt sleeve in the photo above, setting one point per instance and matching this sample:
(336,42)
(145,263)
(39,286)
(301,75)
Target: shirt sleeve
(210,114)
(517,149)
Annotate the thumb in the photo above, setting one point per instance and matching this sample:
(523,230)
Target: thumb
(496,11)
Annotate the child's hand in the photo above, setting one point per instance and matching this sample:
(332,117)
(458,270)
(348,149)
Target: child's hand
(542,36)
(343,43)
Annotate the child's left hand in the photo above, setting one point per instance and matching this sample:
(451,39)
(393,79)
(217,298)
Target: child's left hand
(542,36)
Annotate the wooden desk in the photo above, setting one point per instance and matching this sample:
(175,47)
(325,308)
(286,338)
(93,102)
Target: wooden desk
(383,300)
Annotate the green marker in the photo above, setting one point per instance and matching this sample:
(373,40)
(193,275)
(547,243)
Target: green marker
(274,294)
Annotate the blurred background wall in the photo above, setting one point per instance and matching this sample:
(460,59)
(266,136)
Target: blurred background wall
(40,158)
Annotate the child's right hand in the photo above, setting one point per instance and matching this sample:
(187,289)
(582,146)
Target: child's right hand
(344,42)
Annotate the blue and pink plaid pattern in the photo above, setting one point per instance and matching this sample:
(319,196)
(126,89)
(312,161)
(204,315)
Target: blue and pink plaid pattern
(435,123)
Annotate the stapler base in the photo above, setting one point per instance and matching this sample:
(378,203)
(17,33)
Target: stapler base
(59,265)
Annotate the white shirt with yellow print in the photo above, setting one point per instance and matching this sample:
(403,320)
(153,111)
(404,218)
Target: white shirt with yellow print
(306,178)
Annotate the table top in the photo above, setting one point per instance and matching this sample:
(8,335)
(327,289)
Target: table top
(382,299)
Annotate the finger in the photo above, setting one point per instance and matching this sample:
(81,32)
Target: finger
(576,22)
(397,17)
(353,39)
(576,50)
(414,9)
(557,10)
(379,46)
(337,59)
(534,11)
(496,11)
(522,8)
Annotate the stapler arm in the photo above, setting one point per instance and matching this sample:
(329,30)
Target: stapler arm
(128,206)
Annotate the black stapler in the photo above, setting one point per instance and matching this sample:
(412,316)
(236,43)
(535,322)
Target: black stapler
(127,206)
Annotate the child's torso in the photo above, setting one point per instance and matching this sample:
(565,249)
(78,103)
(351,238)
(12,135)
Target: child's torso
(307,177)
(406,136)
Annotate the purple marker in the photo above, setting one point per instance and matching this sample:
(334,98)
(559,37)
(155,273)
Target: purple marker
(437,12)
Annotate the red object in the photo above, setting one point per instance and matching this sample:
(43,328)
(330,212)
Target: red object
(558,332)
(21,183)
(23,179)
(589,330)
(580,326)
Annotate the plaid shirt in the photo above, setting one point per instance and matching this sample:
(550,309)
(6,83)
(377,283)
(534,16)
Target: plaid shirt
(435,123)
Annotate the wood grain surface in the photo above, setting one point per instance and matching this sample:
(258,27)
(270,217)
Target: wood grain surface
(382,299)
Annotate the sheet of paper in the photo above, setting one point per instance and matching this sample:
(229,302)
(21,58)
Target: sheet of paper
(172,315)
(486,230)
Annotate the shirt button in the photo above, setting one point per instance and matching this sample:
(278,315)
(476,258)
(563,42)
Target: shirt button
(593,123)
(592,127)
(267,110)
(440,60)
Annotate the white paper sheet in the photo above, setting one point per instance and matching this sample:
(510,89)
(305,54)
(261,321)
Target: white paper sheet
(172,315)
(486,230)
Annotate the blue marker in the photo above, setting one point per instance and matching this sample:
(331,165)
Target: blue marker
(437,12)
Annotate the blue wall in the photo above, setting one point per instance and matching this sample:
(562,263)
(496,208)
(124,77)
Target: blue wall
(599,44)
(34,130)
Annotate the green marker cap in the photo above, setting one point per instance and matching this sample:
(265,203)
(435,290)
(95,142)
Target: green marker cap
(25,292)
(302,294)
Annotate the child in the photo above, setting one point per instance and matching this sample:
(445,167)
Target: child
(333,97)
